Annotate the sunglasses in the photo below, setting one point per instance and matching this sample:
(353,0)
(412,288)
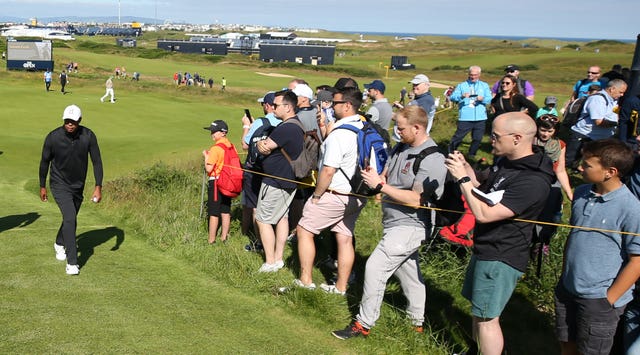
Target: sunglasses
(337,102)
(494,136)
(506,83)
(549,118)
(593,72)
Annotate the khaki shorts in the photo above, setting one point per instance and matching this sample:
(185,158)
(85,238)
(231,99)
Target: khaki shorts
(336,211)
(273,203)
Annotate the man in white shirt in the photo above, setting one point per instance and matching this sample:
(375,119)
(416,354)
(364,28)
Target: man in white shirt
(331,205)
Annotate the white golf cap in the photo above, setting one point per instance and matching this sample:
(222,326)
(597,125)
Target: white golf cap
(72,112)
(304,91)
(420,78)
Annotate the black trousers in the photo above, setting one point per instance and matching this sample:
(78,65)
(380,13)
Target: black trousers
(573,152)
(69,203)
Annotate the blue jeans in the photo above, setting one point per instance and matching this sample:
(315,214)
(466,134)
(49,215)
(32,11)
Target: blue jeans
(477,131)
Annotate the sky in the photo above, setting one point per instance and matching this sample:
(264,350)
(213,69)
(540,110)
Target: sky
(537,18)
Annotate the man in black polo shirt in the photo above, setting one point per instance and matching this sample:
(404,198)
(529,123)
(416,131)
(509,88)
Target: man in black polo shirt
(66,150)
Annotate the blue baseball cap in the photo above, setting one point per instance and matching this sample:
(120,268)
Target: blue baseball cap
(376,84)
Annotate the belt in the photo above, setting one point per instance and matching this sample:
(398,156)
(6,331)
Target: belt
(334,192)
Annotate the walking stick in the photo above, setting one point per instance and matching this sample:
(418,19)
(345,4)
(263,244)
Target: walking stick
(204,183)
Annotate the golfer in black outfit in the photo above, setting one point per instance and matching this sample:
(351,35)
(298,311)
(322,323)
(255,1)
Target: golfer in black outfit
(66,150)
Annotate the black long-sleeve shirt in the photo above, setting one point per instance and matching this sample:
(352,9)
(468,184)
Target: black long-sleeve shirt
(520,102)
(68,156)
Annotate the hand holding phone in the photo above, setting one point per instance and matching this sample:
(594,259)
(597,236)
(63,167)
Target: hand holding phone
(248,114)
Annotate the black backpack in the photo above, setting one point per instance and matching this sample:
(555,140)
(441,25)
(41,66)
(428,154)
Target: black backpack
(451,199)
(254,158)
(574,110)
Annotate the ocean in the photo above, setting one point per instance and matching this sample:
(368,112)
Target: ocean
(505,37)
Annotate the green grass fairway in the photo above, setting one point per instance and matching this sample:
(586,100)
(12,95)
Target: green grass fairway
(130,297)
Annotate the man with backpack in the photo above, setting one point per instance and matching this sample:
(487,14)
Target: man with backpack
(252,133)
(331,205)
(307,114)
(278,184)
(406,225)
(598,119)
(216,159)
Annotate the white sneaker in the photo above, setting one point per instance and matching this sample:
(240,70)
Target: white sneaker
(61,254)
(278,265)
(73,269)
(101,100)
(267,268)
(299,283)
(332,289)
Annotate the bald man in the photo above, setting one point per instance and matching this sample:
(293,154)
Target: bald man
(517,186)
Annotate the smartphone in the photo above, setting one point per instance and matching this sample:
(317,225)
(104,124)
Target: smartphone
(248,114)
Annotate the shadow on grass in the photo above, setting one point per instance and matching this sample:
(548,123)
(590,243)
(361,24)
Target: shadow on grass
(17,221)
(89,240)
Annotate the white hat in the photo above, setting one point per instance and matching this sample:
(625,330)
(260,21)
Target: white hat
(72,112)
(303,90)
(419,79)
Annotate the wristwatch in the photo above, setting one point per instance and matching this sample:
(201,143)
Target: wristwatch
(379,187)
(463,179)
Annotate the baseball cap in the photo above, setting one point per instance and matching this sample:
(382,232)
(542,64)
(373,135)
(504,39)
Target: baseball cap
(268,98)
(303,90)
(218,126)
(72,112)
(377,85)
(419,79)
(550,100)
(325,95)
(511,67)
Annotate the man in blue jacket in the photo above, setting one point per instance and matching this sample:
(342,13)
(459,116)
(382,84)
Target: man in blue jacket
(471,96)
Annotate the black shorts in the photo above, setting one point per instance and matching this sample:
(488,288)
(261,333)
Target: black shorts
(219,206)
(590,323)
(250,189)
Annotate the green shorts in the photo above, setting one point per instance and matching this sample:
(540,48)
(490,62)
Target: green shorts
(489,286)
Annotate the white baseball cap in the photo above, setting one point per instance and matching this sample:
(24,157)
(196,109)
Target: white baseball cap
(72,112)
(304,91)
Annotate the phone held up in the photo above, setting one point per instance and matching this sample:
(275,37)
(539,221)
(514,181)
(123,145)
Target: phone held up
(248,114)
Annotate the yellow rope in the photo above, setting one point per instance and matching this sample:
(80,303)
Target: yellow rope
(450,211)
